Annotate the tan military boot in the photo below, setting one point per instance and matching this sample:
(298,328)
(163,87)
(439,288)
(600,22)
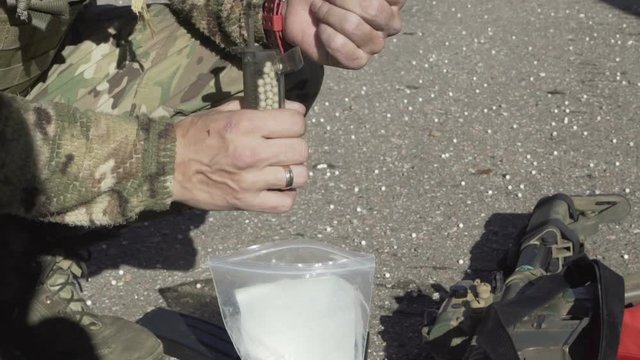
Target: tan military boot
(57,301)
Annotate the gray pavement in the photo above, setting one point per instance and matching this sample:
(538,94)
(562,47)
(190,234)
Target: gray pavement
(428,158)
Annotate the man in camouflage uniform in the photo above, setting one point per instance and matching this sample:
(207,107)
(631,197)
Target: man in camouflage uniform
(103,116)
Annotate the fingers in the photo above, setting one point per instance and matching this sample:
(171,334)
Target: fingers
(270,178)
(282,152)
(338,50)
(274,197)
(266,194)
(274,177)
(272,201)
(344,33)
(294,105)
(281,123)
(349,25)
(236,105)
(350,32)
(398,4)
(376,13)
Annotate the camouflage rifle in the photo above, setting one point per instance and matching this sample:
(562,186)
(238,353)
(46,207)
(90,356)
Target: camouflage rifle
(556,305)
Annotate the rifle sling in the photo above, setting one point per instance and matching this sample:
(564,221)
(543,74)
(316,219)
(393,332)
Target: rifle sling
(493,335)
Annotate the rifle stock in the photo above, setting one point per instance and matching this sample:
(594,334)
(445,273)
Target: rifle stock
(553,316)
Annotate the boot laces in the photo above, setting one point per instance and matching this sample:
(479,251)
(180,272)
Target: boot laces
(63,281)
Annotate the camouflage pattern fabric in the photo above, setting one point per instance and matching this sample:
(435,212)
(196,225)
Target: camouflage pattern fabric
(160,70)
(93,144)
(26,51)
(221,20)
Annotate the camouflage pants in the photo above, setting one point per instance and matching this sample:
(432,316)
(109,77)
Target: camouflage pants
(114,64)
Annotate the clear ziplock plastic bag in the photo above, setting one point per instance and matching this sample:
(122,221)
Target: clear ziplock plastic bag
(295,300)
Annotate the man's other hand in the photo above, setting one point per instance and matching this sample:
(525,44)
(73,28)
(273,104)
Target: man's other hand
(228,159)
(345,33)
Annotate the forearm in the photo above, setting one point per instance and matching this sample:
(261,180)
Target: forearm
(60,164)
(221,20)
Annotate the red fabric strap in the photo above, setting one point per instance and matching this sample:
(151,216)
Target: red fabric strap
(273,24)
(629,348)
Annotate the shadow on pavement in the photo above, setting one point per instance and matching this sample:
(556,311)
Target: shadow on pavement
(196,298)
(159,243)
(402,329)
(629,6)
(497,245)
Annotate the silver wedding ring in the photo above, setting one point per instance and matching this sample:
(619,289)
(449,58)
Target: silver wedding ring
(288,177)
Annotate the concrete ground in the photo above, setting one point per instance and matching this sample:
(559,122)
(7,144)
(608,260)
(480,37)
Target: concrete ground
(430,158)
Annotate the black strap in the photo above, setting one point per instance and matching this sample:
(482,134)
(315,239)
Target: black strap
(493,336)
(610,300)
(495,339)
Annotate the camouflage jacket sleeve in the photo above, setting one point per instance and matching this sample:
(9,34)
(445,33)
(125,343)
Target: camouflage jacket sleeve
(60,164)
(221,20)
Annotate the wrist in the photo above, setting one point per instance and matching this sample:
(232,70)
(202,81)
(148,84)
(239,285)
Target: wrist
(158,160)
(177,192)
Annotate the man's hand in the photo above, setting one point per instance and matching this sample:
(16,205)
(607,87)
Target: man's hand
(345,33)
(227,158)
